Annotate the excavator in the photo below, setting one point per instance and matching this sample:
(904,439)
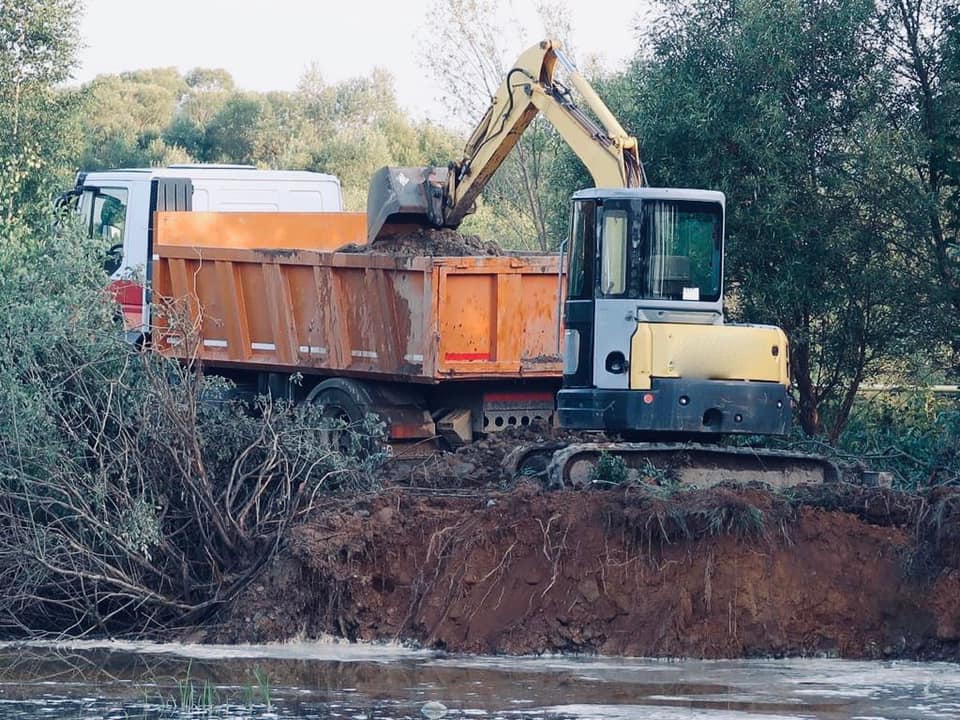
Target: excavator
(646,353)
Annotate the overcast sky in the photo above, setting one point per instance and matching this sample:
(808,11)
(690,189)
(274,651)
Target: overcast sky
(267,45)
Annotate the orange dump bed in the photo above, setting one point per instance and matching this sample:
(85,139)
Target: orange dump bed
(267,290)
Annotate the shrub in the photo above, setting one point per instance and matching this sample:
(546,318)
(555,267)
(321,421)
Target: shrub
(913,434)
(129,503)
(610,470)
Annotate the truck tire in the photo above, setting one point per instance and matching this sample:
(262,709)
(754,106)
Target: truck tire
(344,401)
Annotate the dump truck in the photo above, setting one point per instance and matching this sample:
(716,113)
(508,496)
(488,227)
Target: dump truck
(222,266)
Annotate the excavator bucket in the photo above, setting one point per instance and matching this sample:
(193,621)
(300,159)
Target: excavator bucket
(405,198)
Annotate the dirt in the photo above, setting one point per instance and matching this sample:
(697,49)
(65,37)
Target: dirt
(724,572)
(442,242)
(481,463)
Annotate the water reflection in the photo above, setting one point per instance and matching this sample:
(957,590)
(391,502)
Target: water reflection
(329,680)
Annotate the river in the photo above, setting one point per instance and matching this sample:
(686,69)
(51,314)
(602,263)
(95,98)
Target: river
(101,680)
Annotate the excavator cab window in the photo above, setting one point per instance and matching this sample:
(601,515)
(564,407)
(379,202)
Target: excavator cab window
(613,266)
(661,249)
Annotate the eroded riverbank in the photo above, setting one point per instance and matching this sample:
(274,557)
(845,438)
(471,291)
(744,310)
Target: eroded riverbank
(728,572)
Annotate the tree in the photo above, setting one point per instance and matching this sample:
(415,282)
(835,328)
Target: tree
(124,114)
(518,207)
(38,40)
(777,105)
(231,134)
(922,38)
(357,126)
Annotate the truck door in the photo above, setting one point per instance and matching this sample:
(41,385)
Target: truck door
(106,216)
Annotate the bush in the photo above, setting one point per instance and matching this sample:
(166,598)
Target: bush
(130,505)
(609,470)
(914,434)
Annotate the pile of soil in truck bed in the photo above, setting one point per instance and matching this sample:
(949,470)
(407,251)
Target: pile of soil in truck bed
(439,242)
(721,572)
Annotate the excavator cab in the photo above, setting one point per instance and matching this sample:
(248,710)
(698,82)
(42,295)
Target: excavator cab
(645,348)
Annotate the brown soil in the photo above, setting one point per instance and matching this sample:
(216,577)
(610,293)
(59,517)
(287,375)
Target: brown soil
(479,464)
(724,572)
(428,241)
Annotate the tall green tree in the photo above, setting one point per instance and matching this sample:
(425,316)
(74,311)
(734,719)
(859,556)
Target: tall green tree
(38,41)
(776,104)
(922,38)
(125,114)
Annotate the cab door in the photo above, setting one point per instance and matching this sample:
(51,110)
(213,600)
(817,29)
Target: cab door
(119,212)
(579,307)
(106,213)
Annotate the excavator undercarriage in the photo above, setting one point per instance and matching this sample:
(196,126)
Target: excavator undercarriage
(603,464)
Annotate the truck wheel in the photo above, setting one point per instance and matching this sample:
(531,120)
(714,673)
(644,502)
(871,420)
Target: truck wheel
(345,409)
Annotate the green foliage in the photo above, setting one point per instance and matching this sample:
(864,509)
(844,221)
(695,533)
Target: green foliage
(913,434)
(123,114)
(263,684)
(132,498)
(38,39)
(780,106)
(349,129)
(230,135)
(610,470)
(193,698)
(923,39)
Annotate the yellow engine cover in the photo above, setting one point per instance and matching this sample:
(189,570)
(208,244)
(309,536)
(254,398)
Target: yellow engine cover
(709,352)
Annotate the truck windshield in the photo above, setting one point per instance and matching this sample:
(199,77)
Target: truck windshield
(661,250)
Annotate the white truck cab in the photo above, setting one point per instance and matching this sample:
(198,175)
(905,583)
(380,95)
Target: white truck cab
(118,206)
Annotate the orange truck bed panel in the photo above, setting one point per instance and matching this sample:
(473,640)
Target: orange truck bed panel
(290,303)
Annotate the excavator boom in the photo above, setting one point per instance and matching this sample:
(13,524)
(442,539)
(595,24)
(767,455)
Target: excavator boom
(401,198)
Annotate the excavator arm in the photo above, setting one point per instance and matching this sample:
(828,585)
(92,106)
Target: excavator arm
(401,198)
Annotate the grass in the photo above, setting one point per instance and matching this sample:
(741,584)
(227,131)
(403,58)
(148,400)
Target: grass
(195,698)
(263,684)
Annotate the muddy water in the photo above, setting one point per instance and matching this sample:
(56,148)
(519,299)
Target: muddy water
(329,680)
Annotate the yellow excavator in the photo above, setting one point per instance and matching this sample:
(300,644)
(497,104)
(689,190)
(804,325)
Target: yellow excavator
(646,352)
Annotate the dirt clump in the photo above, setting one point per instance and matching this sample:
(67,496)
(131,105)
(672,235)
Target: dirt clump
(437,242)
(728,571)
(481,463)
